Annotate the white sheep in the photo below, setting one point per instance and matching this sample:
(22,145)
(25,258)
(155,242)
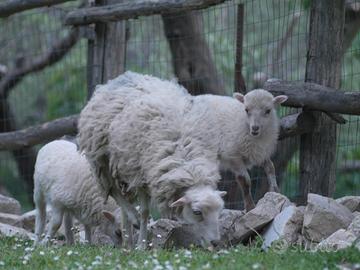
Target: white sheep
(135,135)
(63,180)
(242,130)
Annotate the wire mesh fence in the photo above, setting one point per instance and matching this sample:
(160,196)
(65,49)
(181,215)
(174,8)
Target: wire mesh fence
(274,46)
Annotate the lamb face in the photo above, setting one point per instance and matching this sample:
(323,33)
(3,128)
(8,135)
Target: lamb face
(260,106)
(201,207)
(111,226)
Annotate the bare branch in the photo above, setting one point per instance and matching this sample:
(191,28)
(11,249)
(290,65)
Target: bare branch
(55,54)
(38,134)
(9,7)
(134,9)
(315,97)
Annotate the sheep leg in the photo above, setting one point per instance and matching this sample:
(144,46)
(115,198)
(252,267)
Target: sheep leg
(127,231)
(270,175)
(87,233)
(55,223)
(245,186)
(68,223)
(129,209)
(40,219)
(144,214)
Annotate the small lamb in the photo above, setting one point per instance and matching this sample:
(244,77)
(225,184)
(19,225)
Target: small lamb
(242,130)
(63,180)
(135,136)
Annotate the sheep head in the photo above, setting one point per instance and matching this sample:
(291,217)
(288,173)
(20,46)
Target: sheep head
(201,206)
(260,107)
(111,226)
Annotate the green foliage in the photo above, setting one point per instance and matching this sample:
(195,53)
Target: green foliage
(17,254)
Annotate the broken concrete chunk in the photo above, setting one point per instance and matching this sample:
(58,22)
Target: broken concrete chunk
(323,216)
(9,205)
(8,230)
(350,202)
(286,227)
(338,240)
(255,220)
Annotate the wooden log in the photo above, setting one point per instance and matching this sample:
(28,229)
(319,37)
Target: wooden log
(323,66)
(314,96)
(290,125)
(9,7)
(134,9)
(296,124)
(42,133)
(239,83)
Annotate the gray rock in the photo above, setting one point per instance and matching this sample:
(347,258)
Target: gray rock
(354,226)
(227,221)
(323,216)
(10,219)
(285,227)
(338,240)
(8,230)
(255,220)
(9,205)
(350,202)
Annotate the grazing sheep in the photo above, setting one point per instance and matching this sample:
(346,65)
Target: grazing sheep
(135,135)
(242,130)
(63,180)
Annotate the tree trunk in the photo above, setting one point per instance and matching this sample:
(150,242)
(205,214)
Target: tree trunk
(24,158)
(325,49)
(191,57)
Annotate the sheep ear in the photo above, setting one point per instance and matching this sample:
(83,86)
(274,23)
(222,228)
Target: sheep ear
(239,97)
(180,202)
(222,193)
(109,216)
(280,99)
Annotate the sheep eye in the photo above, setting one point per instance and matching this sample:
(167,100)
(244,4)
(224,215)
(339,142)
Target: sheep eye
(267,111)
(197,212)
(247,110)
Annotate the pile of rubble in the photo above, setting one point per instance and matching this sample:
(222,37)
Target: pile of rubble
(324,223)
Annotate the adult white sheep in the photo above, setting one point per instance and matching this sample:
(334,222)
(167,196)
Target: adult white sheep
(63,179)
(134,134)
(242,130)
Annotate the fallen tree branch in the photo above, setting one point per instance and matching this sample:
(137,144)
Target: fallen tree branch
(313,96)
(296,124)
(134,9)
(55,54)
(39,134)
(10,7)
(291,125)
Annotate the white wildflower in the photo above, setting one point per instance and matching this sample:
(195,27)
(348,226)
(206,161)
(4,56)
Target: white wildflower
(158,236)
(42,253)
(2,263)
(182,268)
(256,266)
(24,262)
(56,258)
(69,253)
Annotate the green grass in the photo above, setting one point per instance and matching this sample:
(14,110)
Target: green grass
(19,254)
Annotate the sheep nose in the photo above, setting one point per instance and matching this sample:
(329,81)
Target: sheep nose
(255,128)
(215,243)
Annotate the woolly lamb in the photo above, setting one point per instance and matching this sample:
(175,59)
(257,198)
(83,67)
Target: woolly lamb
(242,130)
(63,180)
(137,140)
